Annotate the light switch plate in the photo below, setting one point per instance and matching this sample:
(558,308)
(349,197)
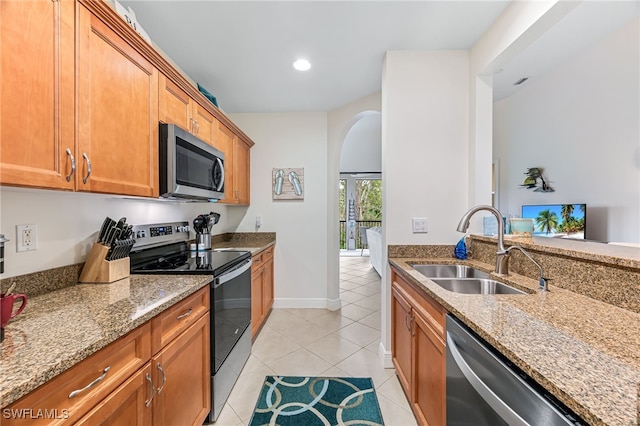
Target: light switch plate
(420,225)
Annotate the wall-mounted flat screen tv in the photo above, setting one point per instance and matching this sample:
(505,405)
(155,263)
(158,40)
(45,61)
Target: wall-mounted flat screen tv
(557,220)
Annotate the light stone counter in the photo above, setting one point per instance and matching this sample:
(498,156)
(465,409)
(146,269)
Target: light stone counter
(61,328)
(584,351)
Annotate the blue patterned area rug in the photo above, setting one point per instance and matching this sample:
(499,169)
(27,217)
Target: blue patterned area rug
(323,401)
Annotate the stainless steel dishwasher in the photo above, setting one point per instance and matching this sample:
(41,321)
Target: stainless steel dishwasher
(484,388)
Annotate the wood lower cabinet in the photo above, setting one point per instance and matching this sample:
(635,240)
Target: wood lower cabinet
(130,404)
(117,113)
(419,351)
(262,293)
(128,382)
(182,376)
(37,96)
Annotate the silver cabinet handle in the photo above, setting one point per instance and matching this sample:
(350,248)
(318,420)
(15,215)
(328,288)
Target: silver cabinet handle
(86,178)
(197,128)
(90,385)
(186,314)
(164,379)
(73,165)
(147,403)
(192,126)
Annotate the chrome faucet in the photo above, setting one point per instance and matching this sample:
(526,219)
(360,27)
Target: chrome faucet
(502,255)
(542,281)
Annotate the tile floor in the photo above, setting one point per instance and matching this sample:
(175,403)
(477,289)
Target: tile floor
(319,342)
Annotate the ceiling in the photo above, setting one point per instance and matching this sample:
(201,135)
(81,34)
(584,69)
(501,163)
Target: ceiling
(242,51)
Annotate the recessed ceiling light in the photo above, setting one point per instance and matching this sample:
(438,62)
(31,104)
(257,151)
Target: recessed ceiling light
(302,65)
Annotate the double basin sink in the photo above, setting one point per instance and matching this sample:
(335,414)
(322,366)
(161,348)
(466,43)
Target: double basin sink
(464,279)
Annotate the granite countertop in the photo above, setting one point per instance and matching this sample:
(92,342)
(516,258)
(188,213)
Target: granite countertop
(585,352)
(61,328)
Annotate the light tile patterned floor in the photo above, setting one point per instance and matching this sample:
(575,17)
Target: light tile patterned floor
(319,342)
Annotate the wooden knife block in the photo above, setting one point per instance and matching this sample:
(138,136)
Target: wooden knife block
(99,270)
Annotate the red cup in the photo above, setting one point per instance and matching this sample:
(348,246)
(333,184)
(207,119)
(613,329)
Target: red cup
(6,307)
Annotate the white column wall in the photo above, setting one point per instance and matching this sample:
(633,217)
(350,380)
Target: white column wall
(425,113)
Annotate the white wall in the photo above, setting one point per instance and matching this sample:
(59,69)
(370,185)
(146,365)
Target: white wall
(340,121)
(425,144)
(579,122)
(68,223)
(291,140)
(362,148)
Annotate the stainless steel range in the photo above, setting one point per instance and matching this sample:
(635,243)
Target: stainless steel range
(164,249)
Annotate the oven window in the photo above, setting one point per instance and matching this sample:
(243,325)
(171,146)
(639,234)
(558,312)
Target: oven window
(231,315)
(197,168)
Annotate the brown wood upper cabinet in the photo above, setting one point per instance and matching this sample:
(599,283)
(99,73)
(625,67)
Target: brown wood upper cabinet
(114,149)
(117,113)
(237,166)
(37,96)
(177,107)
(81,98)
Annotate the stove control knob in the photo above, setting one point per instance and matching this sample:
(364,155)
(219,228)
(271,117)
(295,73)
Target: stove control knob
(141,234)
(182,229)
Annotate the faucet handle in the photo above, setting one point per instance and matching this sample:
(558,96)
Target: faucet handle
(543,283)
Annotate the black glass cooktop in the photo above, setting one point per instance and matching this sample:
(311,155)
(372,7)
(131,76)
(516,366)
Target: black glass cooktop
(175,259)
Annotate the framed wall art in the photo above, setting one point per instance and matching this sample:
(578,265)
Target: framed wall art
(288,184)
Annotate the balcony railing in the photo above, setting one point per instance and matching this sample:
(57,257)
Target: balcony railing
(356,232)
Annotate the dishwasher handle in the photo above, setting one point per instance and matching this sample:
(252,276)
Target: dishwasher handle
(485,392)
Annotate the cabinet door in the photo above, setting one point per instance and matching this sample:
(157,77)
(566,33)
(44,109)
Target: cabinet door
(182,377)
(224,142)
(37,96)
(267,287)
(127,405)
(401,338)
(241,171)
(174,104)
(257,315)
(205,124)
(428,374)
(117,113)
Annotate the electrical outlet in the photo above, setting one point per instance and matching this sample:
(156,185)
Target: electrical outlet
(26,237)
(258,221)
(420,225)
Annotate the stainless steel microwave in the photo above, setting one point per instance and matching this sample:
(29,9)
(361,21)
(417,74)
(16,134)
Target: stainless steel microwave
(189,167)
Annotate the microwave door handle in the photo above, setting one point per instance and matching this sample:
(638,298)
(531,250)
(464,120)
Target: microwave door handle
(498,405)
(221,165)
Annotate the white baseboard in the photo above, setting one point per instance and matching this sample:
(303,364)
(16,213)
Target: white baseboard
(334,304)
(304,303)
(385,357)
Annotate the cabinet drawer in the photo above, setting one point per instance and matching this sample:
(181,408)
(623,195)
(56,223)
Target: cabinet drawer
(431,310)
(267,254)
(170,323)
(67,397)
(257,261)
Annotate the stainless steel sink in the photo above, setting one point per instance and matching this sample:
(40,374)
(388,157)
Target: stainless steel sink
(475,286)
(450,271)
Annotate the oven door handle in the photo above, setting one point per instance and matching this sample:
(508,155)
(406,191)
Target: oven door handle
(228,276)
